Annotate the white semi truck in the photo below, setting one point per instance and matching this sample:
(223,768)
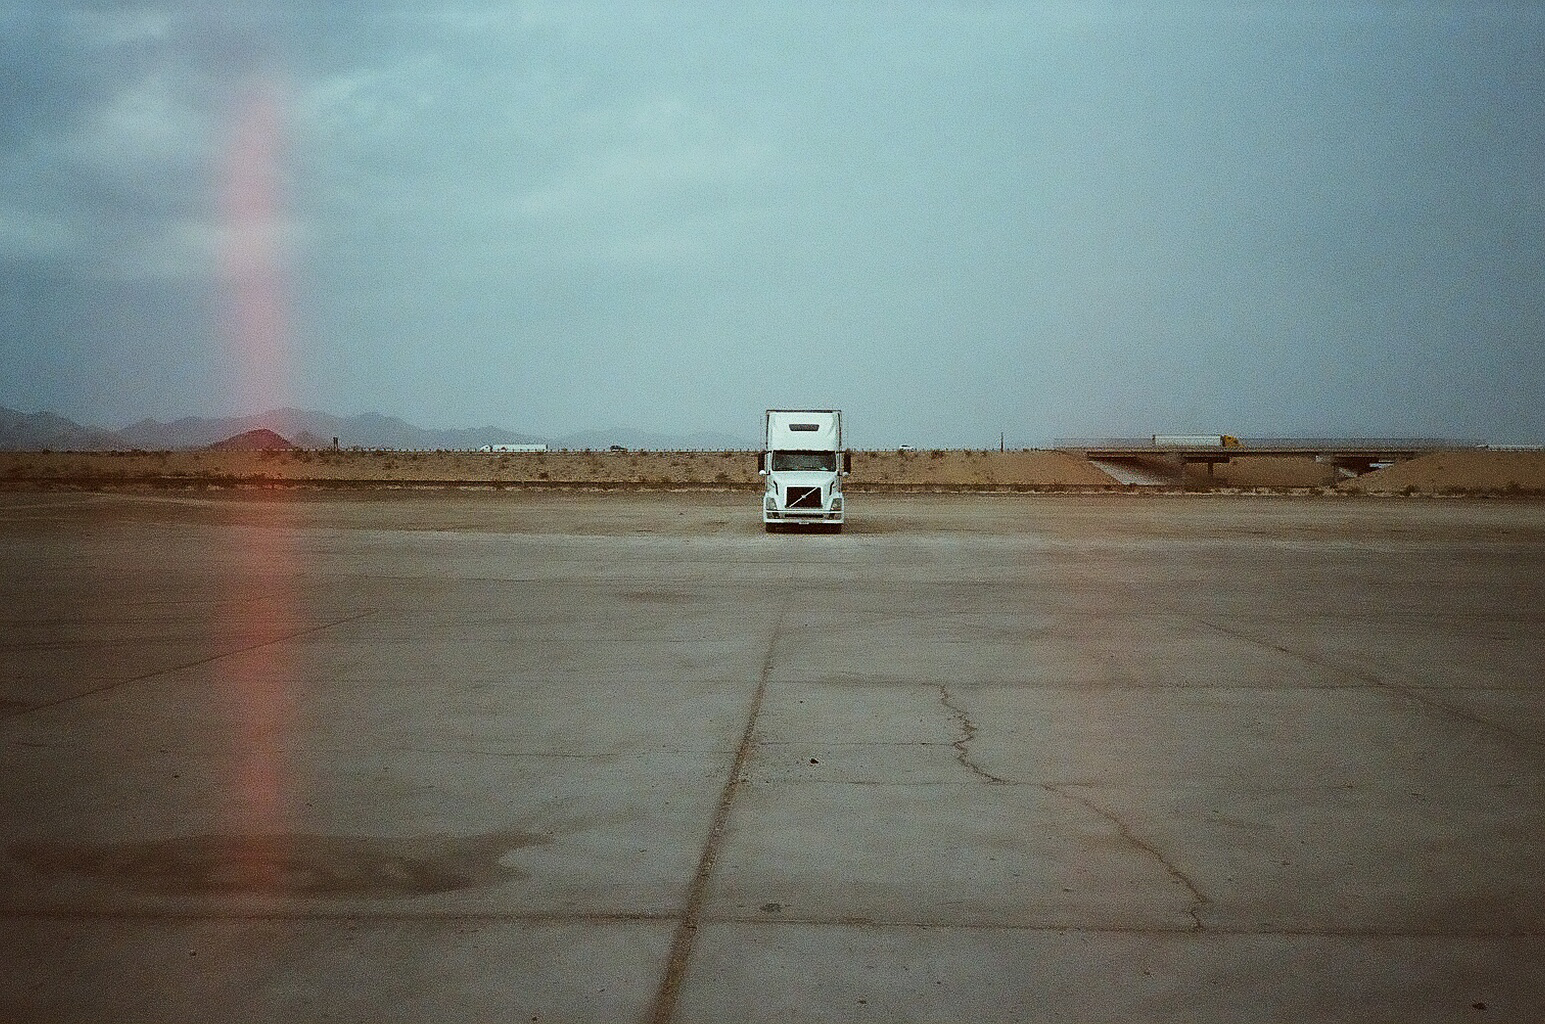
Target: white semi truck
(803,463)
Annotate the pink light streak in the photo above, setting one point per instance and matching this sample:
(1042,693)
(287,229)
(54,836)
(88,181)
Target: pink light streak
(254,313)
(259,610)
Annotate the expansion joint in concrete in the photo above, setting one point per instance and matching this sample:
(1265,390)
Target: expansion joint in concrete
(664,1007)
(967,734)
(1198,899)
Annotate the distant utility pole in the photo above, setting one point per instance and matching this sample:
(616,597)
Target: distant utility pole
(1000,443)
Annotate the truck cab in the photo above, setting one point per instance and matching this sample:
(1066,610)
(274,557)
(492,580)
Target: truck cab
(802,465)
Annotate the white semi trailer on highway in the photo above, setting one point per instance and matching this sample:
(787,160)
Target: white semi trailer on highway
(1195,441)
(803,463)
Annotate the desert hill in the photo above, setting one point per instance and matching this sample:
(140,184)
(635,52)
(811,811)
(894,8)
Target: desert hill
(261,439)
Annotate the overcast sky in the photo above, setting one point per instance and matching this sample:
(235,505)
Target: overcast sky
(949,219)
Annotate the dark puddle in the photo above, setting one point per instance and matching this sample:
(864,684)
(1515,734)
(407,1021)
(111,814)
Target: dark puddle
(315,866)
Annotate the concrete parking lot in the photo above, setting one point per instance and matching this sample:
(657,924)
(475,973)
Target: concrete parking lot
(549,756)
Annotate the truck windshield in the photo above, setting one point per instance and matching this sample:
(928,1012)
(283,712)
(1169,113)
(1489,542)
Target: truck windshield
(816,462)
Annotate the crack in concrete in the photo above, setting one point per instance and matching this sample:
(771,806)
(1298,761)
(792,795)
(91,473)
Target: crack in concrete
(143,676)
(967,734)
(429,917)
(1413,694)
(1198,898)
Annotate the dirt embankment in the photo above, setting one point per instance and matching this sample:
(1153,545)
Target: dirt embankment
(1479,472)
(1449,472)
(324,468)
(729,470)
(1458,472)
(984,469)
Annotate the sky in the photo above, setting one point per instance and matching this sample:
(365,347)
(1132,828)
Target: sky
(959,222)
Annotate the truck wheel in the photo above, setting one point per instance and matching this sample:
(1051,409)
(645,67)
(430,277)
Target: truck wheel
(771,527)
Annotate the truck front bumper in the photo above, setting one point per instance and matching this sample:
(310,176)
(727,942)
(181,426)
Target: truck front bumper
(774,515)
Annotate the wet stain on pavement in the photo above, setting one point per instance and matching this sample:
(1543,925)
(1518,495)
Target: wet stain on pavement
(656,597)
(300,865)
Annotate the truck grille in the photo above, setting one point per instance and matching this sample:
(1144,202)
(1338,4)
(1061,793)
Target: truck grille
(804,497)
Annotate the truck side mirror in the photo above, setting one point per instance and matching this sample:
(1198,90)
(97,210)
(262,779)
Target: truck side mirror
(847,463)
(761,460)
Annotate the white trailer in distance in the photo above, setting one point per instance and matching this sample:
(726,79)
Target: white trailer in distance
(802,464)
(1195,441)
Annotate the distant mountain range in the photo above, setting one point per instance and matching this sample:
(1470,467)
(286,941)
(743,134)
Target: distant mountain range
(305,428)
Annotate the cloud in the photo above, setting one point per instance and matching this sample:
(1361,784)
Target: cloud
(658,179)
(1080,210)
(111,156)
(112,27)
(28,234)
(145,127)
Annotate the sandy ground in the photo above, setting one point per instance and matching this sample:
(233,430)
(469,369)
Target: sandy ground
(1458,472)
(1450,472)
(535,755)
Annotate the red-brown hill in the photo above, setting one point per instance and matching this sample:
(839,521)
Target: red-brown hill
(261,439)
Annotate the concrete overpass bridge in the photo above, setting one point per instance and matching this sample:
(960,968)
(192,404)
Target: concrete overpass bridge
(1163,463)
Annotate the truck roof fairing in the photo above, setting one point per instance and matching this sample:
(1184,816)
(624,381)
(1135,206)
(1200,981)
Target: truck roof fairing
(804,430)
